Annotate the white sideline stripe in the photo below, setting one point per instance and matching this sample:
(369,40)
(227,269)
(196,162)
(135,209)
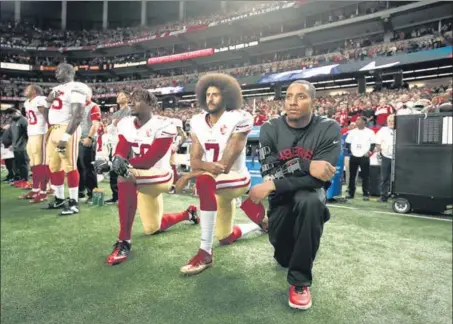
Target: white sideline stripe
(394,214)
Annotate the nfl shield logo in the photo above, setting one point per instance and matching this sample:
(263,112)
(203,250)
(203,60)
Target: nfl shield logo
(223,129)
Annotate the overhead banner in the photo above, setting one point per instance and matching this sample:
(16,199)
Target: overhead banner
(167,90)
(15,66)
(368,64)
(181,57)
(128,64)
(257,12)
(235,47)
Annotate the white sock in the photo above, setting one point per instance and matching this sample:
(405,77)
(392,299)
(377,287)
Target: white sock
(248,228)
(35,190)
(207,223)
(59,191)
(74,193)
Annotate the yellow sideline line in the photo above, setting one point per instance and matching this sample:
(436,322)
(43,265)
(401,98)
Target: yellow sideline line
(394,214)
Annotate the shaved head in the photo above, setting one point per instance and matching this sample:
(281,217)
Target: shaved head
(64,73)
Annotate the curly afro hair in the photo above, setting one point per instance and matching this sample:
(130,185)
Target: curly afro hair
(144,96)
(228,85)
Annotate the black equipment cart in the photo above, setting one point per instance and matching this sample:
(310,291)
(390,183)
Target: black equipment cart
(422,166)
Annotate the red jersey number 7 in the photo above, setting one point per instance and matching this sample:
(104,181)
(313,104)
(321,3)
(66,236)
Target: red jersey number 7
(216,148)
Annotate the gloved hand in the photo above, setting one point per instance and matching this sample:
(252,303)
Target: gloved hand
(121,166)
(102,166)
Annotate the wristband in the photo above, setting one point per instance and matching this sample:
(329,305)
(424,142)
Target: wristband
(65,137)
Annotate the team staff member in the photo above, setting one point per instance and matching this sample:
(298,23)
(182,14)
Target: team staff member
(87,149)
(384,141)
(123,101)
(19,143)
(297,210)
(361,142)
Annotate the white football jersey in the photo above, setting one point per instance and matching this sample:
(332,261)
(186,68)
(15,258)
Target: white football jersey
(214,139)
(36,123)
(60,112)
(141,138)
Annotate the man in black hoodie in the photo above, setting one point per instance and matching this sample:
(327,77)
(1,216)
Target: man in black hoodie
(19,143)
(298,152)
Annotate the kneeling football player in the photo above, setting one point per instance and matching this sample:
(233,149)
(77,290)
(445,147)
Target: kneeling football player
(144,177)
(217,160)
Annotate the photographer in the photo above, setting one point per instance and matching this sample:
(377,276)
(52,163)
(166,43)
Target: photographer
(297,155)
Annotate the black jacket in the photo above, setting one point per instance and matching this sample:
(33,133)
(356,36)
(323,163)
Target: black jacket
(319,140)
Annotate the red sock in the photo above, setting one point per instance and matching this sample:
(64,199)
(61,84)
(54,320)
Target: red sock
(175,174)
(57,178)
(168,220)
(206,188)
(127,206)
(45,174)
(234,236)
(36,175)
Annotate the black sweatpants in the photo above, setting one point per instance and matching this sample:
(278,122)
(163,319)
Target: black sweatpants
(364,163)
(9,163)
(21,165)
(114,185)
(88,177)
(386,171)
(295,229)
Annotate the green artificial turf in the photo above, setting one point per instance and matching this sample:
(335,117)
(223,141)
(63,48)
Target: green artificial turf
(372,267)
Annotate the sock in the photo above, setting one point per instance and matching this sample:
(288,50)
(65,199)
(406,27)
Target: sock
(206,188)
(73,184)
(57,180)
(36,174)
(175,174)
(168,220)
(247,228)
(127,206)
(45,172)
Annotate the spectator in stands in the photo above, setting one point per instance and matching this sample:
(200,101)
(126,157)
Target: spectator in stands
(384,145)
(361,142)
(260,117)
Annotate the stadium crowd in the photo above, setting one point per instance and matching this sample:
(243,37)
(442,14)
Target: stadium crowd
(26,34)
(425,38)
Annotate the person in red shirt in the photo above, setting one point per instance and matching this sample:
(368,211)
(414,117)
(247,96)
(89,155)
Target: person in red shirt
(260,118)
(382,112)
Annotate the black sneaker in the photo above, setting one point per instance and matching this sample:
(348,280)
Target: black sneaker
(110,201)
(56,204)
(120,253)
(71,208)
(350,196)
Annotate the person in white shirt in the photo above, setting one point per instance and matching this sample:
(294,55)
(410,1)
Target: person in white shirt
(361,142)
(384,145)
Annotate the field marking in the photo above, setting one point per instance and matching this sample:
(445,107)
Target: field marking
(394,214)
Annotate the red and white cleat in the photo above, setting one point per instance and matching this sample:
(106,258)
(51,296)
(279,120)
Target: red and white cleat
(120,253)
(299,297)
(192,210)
(29,195)
(200,262)
(39,198)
